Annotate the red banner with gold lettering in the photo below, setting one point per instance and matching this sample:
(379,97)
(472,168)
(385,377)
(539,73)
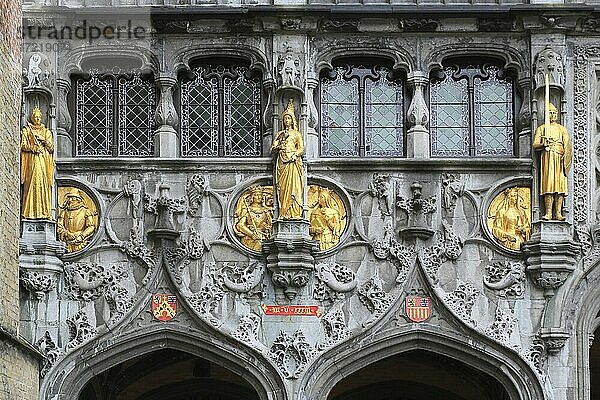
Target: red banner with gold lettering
(309,311)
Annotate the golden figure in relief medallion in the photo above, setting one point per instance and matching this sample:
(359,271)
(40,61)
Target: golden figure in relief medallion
(37,168)
(288,147)
(327,216)
(77,218)
(253,216)
(509,217)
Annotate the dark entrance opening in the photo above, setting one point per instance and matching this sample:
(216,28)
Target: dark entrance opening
(419,375)
(595,366)
(168,374)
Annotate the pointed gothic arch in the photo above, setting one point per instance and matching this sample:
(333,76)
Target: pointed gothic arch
(72,373)
(491,359)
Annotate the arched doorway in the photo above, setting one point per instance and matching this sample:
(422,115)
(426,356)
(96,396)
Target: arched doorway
(168,374)
(594,360)
(418,374)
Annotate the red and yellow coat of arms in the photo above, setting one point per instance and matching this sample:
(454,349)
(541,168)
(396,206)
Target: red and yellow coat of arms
(418,309)
(164,306)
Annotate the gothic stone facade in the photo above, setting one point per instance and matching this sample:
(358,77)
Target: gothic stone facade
(166,220)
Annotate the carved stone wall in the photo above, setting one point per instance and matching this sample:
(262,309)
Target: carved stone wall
(412,226)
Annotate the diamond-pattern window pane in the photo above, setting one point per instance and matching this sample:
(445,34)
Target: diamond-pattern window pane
(137,99)
(242,116)
(339,117)
(384,117)
(199,116)
(449,125)
(493,115)
(94,117)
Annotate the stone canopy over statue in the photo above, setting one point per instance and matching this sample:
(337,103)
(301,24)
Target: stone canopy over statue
(288,147)
(553,143)
(37,169)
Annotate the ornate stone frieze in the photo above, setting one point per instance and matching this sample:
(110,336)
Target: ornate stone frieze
(334,325)
(80,330)
(555,341)
(503,325)
(419,24)
(580,136)
(506,278)
(50,350)
(495,25)
(37,282)
(340,25)
(291,353)
(387,247)
(461,300)
(372,295)
(335,281)
(290,24)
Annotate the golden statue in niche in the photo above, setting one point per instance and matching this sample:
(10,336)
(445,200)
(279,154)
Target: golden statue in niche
(37,168)
(327,216)
(509,217)
(288,147)
(556,153)
(77,218)
(253,216)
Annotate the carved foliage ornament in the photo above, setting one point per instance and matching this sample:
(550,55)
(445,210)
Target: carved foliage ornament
(507,278)
(509,217)
(291,353)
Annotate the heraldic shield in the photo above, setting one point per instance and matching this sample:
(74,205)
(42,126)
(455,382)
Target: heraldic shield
(418,309)
(164,306)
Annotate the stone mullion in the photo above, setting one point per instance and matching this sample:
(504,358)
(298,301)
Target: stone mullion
(165,136)
(418,139)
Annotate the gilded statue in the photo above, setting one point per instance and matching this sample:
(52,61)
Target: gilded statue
(37,168)
(288,147)
(553,143)
(253,216)
(327,216)
(509,217)
(77,221)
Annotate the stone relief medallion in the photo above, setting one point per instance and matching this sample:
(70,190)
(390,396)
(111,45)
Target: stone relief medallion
(77,217)
(327,216)
(509,217)
(253,216)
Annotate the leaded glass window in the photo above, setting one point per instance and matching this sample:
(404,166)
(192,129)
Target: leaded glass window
(220,113)
(472,112)
(361,112)
(114,115)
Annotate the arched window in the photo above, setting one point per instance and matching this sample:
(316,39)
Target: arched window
(362,111)
(220,112)
(472,111)
(114,114)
